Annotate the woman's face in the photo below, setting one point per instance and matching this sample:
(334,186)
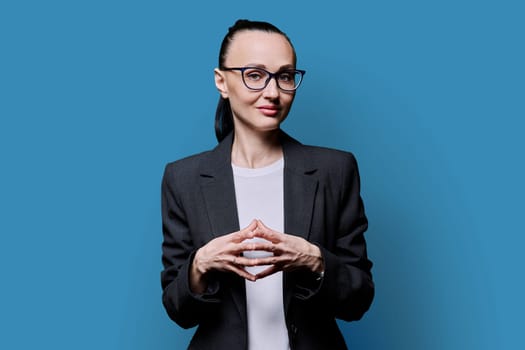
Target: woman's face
(256,110)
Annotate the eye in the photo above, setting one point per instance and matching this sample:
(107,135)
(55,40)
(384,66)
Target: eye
(286,77)
(254,74)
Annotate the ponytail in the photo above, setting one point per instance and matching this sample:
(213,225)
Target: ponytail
(223,119)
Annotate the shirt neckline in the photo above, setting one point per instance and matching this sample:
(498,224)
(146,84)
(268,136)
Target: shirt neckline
(265,170)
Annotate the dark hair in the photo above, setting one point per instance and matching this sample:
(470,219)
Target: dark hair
(223,114)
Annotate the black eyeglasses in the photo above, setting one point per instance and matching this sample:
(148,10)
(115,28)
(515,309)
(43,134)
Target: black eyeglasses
(256,78)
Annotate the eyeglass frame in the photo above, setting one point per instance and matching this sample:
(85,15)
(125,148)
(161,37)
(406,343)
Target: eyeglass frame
(270,76)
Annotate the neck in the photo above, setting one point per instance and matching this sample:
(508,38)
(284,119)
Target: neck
(257,149)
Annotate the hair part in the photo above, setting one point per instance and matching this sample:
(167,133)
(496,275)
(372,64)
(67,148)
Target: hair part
(223,114)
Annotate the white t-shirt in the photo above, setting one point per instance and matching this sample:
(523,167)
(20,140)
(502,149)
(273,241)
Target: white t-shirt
(259,194)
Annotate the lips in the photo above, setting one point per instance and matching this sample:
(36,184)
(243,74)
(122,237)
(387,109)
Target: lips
(269,110)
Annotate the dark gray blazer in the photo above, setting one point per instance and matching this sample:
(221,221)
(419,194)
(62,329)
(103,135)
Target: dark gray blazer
(322,203)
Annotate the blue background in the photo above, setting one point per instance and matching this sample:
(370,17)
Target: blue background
(97,96)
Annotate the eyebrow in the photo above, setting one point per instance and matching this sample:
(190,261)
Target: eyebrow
(259,65)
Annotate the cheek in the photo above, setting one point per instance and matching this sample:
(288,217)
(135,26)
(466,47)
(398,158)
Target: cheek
(288,99)
(244,98)
(242,104)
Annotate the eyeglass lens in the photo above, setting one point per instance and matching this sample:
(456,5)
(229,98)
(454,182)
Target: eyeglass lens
(255,78)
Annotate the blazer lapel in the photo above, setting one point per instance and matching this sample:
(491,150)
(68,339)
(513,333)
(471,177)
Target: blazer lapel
(300,188)
(216,181)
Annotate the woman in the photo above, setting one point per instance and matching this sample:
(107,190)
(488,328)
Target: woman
(299,262)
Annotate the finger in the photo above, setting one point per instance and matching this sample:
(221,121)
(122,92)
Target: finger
(270,260)
(265,245)
(242,261)
(261,225)
(251,226)
(243,273)
(267,272)
(225,261)
(237,267)
(245,233)
(268,234)
(239,248)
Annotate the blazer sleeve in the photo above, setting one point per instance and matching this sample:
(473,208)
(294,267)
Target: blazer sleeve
(347,288)
(348,280)
(182,305)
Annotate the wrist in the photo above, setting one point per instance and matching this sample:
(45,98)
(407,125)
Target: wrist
(317,266)
(197,279)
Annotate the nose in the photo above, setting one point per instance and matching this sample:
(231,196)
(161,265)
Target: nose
(271,91)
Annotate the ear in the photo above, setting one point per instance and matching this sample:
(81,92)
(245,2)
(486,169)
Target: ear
(220,83)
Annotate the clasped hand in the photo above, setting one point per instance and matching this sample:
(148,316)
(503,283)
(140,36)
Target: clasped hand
(225,253)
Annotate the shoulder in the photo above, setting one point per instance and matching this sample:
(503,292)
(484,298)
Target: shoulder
(333,164)
(335,169)
(209,162)
(313,156)
(322,162)
(326,155)
(325,160)
(188,163)
(185,169)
